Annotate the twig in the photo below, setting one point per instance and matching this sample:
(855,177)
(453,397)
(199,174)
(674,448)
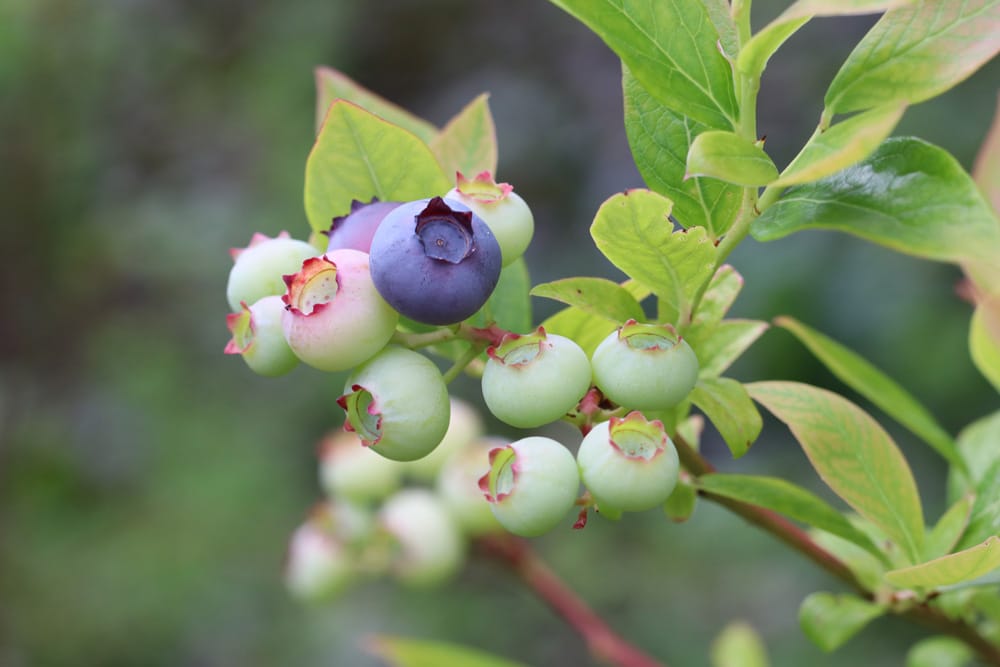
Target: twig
(603,643)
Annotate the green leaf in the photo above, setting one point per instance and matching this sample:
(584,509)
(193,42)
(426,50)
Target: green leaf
(730,158)
(756,53)
(916,52)
(418,653)
(986,170)
(509,305)
(719,297)
(853,455)
(829,620)
(908,195)
(978,446)
(842,145)
(358,155)
(681,502)
(985,519)
(984,348)
(738,645)
(468,143)
(862,563)
(728,406)
(588,330)
(940,651)
(670,46)
(633,231)
(943,537)
(596,296)
(786,498)
(721,17)
(864,378)
(660,139)
(722,344)
(949,570)
(332,85)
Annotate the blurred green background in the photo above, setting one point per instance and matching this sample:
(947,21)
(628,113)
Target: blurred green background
(148,483)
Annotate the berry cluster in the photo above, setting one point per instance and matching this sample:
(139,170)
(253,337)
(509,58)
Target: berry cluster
(395,277)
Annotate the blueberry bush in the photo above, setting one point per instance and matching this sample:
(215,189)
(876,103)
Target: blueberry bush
(413,274)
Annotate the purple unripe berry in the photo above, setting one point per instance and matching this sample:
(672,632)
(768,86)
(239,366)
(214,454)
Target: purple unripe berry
(628,464)
(356,229)
(434,261)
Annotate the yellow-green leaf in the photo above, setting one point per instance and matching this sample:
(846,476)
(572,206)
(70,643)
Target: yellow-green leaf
(728,406)
(943,537)
(861,376)
(916,52)
(854,456)
(730,158)
(951,569)
(842,145)
(830,620)
(786,498)
(358,155)
(634,232)
(419,653)
(468,143)
(332,85)
(738,645)
(597,296)
(984,348)
(755,54)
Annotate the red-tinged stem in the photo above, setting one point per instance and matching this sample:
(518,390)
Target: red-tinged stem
(603,643)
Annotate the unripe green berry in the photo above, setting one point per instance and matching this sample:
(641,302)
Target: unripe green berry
(531,485)
(259,268)
(628,464)
(431,548)
(351,471)
(319,564)
(398,404)
(534,379)
(506,214)
(259,339)
(645,366)
(464,427)
(458,487)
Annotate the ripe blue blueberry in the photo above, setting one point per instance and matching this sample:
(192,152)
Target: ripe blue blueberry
(645,366)
(434,261)
(356,229)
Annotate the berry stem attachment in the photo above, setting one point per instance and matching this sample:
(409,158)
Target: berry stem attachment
(463,361)
(603,643)
(418,340)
